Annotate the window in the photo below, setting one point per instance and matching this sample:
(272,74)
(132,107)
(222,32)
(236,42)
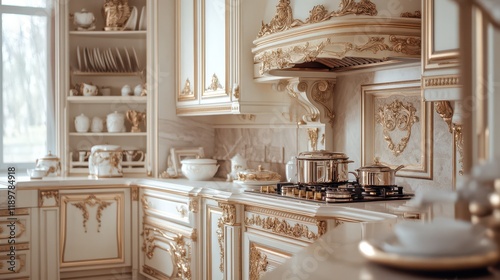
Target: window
(27,103)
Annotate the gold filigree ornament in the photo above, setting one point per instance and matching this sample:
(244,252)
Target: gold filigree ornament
(258,263)
(220,240)
(396,115)
(92,201)
(445,111)
(215,84)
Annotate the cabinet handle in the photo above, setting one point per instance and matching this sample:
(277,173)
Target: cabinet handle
(182,210)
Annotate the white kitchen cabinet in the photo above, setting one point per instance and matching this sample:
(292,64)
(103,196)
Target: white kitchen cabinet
(169,238)
(214,61)
(108,60)
(15,232)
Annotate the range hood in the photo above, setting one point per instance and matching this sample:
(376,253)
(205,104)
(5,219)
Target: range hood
(351,36)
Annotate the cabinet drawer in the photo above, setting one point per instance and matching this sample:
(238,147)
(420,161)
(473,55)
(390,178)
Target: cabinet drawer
(168,206)
(15,228)
(15,264)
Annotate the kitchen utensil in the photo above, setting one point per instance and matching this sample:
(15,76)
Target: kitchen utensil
(322,167)
(377,174)
(105,161)
(258,176)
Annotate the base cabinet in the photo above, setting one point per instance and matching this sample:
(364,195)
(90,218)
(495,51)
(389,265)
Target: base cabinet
(15,254)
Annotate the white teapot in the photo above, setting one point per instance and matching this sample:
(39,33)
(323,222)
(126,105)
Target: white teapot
(50,163)
(115,122)
(105,161)
(82,123)
(84,20)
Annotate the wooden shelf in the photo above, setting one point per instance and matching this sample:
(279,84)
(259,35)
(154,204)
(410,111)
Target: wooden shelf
(107,99)
(81,73)
(111,34)
(110,134)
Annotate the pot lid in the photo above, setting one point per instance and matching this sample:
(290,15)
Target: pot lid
(258,175)
(321,155)
(199,161)
(49,156)
(376,167)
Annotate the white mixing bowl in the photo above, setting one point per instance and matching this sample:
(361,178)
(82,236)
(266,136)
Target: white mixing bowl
(200,169)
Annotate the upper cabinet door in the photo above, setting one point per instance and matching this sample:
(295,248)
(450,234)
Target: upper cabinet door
(215,58)
(186,51)
(440,32)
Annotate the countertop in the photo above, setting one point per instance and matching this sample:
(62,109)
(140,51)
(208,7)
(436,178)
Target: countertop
(222,191)
(329,259)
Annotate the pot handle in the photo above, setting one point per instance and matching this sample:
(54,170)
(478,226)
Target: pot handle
(399,167)
(355,175)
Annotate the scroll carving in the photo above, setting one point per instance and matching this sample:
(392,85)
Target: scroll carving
(396,115)
(258,263)
(92,201)
(228,213)
(445,111)
(283,18)
(459,143)
(220,239)
(313,137)
(321,95)
(46,195)
(284,228)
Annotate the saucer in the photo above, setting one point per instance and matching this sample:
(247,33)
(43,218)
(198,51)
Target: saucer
(485,254)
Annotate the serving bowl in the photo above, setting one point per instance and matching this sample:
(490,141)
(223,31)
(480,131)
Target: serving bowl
(199,169)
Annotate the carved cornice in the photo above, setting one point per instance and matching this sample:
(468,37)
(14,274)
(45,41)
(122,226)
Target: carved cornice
(441,81)
(92,201)
(282,227)
(258,263)
(282,58)
(228,213)
(283,18)
(42,195)
(445,111)
(280,214)
(396,115)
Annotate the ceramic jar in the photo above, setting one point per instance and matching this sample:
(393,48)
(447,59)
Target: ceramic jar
(126,90)
(105,161)
(291,170)
(238,163)
(138,90)
(115,122)
(50,163)
(82,123)
(88,89)
(97,124)
(84,20)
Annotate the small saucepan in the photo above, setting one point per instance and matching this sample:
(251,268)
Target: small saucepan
(377,174)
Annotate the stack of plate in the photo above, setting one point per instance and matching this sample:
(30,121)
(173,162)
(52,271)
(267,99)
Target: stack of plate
(108,60)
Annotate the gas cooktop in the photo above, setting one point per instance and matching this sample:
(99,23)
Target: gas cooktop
(332,192)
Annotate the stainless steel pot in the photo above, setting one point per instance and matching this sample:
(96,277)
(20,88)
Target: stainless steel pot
(322,167)
(377,174)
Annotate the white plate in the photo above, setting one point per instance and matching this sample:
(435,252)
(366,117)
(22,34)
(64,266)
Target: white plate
(137,65)
(143,19)
(113,61)
(85,59)
(485,255)
(97,60)
(101,60)
(111,67)
(129,66)
(122,68)
(78,58)
(90,56)
(132,20)
(256,183)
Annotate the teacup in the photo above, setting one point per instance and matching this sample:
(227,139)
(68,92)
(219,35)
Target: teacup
(88,89)
(37,173)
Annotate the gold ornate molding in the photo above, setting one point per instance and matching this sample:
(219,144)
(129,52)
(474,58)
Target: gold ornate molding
(459,143)
(281,214)
(20,262)
(228,213)
(20,229)
(282,227)
(42,195)
(220,240)
(145,203)
(214,84)
(154,272)
(441,81)
(258,262)
(416,14)
(186,93)
(445,111)
(236,91)
(283,18)
(281,58)
(134,191)
(313,134)
(182,210)
(92,201)
(194,205)
(396,115)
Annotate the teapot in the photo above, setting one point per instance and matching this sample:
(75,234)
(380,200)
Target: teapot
(84,20)
(238,163)
(88,89)
(105,161)
(50,163)
(115,122)
(82,123)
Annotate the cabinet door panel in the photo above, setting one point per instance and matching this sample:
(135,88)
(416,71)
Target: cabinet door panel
(214,243)
(92,227)
(186,50)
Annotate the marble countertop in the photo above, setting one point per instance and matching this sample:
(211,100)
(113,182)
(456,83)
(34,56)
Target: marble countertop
(329,259)
(224,191)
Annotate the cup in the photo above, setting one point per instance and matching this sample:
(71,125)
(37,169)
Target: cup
(83,155)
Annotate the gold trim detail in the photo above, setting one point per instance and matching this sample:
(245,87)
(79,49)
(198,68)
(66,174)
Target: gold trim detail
(396,115)
(17,267)
(194,205)
(280,214)
(459,142)
(220,240)
(283,18)
(320,94)
(19,247)
(228,213)
(445,111)
(416,14)
(442,81)
(214,84)
(154,272)
(258,263)
(281,58)
(92,201)
(20,228)
(181,210)
(134,191)
(313,137)
(42,195)
(282,227)
(17,212)
(145,203)
(236,92)
(186,93)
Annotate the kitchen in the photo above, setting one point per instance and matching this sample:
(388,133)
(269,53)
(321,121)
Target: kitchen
(278,121)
